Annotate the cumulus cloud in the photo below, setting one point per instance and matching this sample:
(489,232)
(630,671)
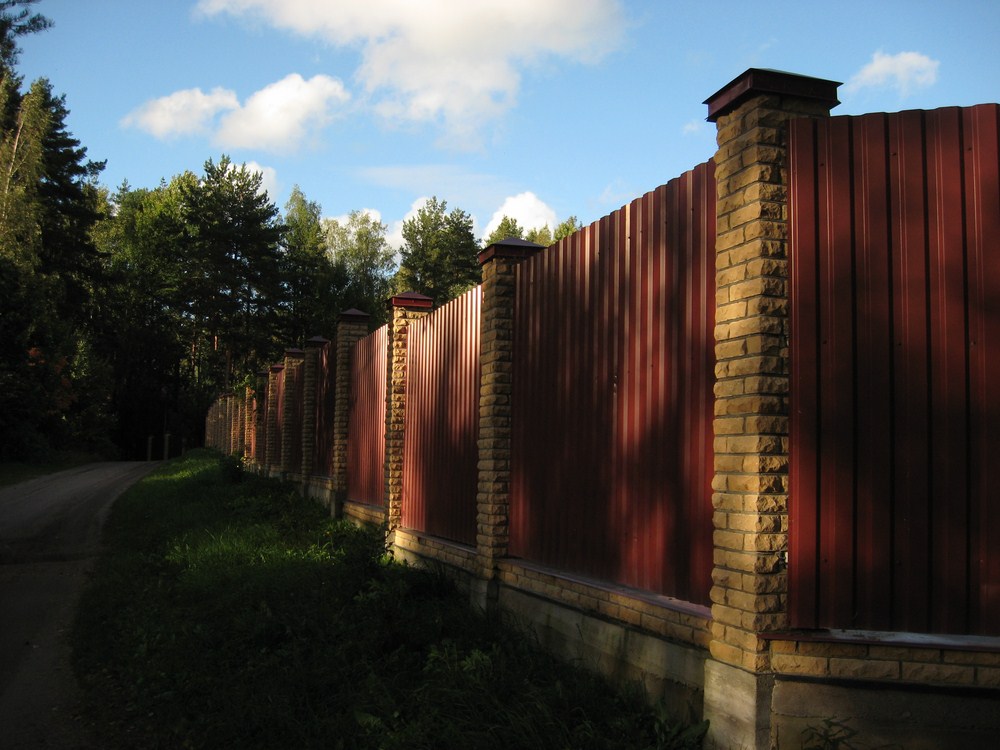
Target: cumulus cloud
(184,112)
(459,63)
(527,209)
(904,72)
(694,127)
(279,117)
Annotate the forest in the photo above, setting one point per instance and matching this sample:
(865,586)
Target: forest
(127,311)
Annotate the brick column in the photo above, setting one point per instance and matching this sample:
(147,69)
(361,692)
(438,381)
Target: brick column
(291,394)
(496,359)
(309,375)
(405,307)
(352,326)
(271,427)
(749,595)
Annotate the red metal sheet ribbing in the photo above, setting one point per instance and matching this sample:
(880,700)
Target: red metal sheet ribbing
(440,468)
(803,345)
(948,370)
(911,564)
(981,132)
(874,363)
(279,410)
(893,320)
(601,485)
(366,419)
(326,379)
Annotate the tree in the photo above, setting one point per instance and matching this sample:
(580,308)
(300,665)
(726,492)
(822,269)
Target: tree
(540,236)
(315,285)
(566,228)
(439,253)
(231,282)
(359,247)
(16,23)
(507,228)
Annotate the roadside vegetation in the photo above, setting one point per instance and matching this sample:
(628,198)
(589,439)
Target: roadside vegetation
(229,612)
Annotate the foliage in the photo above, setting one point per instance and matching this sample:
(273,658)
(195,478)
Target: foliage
(360,249)
(509,227)
(16,20)
(440,256)
(236,614)
(314,283)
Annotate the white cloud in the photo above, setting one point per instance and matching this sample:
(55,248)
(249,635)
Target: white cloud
(694,127)
(904,72)
(280,116)
(182,113)
(269,178)
(395,234)
(527,209)
(459,63)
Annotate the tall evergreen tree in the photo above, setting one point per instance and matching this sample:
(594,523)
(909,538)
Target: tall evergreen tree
(439,254)
(359,247)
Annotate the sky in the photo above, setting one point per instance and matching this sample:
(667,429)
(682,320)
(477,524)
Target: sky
(538,109)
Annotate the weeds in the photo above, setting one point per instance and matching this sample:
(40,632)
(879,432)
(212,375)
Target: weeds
(233,613)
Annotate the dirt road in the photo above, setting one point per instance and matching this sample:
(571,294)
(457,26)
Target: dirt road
(49,536)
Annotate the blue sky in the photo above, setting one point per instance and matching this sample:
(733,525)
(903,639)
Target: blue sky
(540,109)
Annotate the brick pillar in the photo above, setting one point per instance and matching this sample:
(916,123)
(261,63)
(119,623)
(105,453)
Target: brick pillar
(496,328)
(405,307)
(352,326)
(310,367)
(749,595)
(292,392)
(271,458)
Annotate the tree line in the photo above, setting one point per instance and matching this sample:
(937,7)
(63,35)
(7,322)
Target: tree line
(125,313)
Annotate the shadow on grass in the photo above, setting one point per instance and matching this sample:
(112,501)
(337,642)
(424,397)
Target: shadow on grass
(230,612)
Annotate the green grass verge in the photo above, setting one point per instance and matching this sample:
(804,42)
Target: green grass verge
(229,612)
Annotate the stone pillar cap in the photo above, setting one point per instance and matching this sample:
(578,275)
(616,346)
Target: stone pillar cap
(512,247)
(412,300)
(294,353)
(757,81)
(317,341)
(354,314)
(277,368)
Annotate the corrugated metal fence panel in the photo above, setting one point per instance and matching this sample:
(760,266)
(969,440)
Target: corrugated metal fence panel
(440,474)
(293,384)
(895,362)
(612,412)
(279,412)
(366,419)
(260,435)
(326,379)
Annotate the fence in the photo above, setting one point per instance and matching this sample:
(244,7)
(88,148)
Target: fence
(896,357)
(547,435)
(612,411)
(440,464)
(366,448)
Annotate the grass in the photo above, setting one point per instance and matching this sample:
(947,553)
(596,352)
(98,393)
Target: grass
(229,612)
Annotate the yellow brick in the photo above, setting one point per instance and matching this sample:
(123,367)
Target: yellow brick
(783,647)
(988,677)
(864,669)
(948,673)
(798,664)
(724,652)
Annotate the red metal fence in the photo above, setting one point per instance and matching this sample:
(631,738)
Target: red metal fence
(326,380)
(366,420)
(440,453)
(613,376)
(895,372)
